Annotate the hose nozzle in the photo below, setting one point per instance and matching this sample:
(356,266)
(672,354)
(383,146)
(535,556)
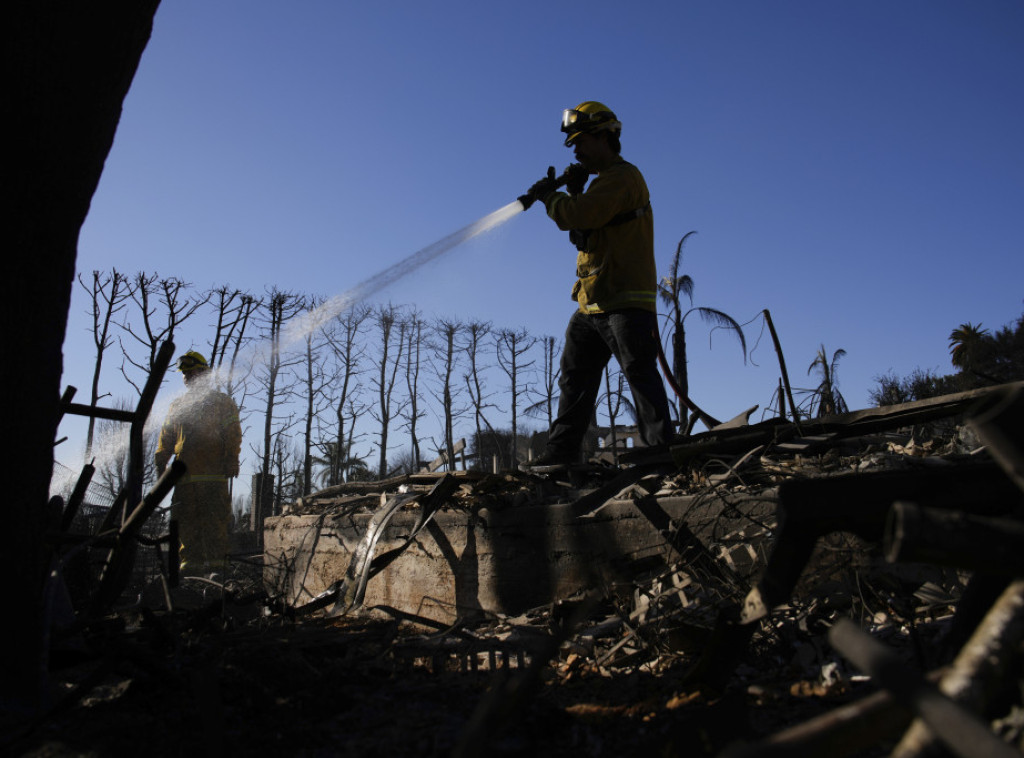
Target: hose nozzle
(549,184)
(526,200)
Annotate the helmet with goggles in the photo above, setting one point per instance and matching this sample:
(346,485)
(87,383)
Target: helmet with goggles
(587,118)
(192,361)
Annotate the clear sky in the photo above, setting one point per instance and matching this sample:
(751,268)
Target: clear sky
(855,167)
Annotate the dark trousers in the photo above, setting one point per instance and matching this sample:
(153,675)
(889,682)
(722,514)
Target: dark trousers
(590,341)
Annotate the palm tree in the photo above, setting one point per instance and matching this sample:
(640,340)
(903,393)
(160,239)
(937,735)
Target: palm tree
(339,465)
(826,396)
(964,345)
(671,288)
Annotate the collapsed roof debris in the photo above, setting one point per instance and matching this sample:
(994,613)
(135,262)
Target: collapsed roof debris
(680,603)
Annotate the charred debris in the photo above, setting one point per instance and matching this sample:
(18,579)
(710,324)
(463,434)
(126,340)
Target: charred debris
(849,584)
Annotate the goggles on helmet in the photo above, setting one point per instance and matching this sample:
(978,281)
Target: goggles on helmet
(191,363)
(576,122)
(574,119)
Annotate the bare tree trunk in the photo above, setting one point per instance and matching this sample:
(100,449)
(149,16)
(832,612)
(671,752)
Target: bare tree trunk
(344,343)
(232,321)
(282,306)
(551,373)
(107,295)
(71,64)
(613,402)
(512,345)
(387,369)
(310,366)
(475,332)
(234,309)
(412,378)
(447,332)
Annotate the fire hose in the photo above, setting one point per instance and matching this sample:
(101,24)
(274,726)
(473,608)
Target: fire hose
(707,420)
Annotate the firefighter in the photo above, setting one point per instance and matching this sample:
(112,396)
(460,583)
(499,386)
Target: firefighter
(202,430)
(611,225)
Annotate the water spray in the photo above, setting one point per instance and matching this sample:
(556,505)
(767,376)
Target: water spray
(340,303)
(114,446)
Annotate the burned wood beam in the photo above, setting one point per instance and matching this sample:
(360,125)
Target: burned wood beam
(95,411)
(77,496)
(777,431)
(735,440)
(837,733)
(132,491)
(423,479)
(136,446)
(917,412)
(972,680)
(999,421)
(859,503)
(65,401)
(959,729)
(954,538)
(979,671)
(121,557)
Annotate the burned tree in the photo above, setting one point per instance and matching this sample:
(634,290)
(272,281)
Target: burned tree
(387,317)
(446,334)
(164,305)
(347,351)
(511,346)
(545,407)
(414,336)
(615,402)
(314,386)
(472,343)
(107,296)
(234,310)
(281,308)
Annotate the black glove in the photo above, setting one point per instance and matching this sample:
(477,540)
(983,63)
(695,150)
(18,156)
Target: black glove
(545,186)
(575,175)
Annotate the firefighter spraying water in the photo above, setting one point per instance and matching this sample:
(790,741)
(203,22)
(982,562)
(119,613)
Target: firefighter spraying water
(611,226)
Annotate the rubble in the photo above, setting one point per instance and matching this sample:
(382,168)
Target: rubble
(704,611)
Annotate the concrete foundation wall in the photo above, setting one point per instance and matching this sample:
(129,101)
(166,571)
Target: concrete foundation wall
(504,561)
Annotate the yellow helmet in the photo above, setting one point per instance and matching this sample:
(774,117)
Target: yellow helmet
(587,118)
(192,361)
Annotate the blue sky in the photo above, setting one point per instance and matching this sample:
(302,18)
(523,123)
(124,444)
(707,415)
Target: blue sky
(857,168)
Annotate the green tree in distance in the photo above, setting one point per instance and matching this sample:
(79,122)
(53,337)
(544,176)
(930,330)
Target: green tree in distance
(965,345)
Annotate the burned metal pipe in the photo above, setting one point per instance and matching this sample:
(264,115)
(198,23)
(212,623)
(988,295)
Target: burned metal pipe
(960,730)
